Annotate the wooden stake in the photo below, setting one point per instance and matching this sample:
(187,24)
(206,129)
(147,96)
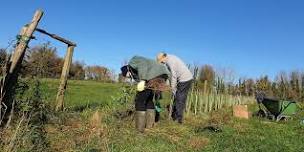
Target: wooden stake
(64,78)
(170,108)
(65,69)
(24,40)
(10,77)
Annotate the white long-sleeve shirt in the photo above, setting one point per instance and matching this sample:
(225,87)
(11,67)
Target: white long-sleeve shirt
(179,71)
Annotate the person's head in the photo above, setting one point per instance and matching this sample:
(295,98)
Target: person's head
(129,72)
(124,71)
(161,57)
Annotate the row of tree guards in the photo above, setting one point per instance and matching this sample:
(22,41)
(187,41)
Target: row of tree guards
(12,67)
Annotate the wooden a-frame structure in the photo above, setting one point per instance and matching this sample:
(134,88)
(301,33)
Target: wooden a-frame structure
(12,67)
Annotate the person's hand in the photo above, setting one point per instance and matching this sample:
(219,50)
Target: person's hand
(141,86)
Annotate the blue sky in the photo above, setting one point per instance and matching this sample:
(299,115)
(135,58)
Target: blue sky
(254,37)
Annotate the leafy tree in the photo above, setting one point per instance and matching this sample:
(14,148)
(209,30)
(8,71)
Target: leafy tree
(207,73)
(77,71)
(98,73)
(207,76)
(264,84)
(43,61)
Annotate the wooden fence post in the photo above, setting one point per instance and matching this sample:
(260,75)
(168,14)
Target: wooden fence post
(10,77)
(65,68)
(24,40)
(64,78)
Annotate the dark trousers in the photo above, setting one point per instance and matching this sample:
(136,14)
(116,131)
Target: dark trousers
(180,100)
(144,100)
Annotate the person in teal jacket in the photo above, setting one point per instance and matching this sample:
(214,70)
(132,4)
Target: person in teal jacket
(143,71)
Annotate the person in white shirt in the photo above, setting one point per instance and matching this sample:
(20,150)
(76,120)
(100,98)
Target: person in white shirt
(181,81)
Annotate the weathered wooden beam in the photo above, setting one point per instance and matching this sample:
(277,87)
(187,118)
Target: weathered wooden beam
(54,36)
(10,77)
(26,35)
(64,78)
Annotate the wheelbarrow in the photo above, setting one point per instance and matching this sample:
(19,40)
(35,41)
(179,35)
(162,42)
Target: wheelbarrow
(276,109)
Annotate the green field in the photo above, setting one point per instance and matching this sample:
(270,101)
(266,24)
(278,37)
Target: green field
(82,93)
(78,130)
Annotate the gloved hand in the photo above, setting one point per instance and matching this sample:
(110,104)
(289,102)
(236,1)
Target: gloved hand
(158,107)
(141,86)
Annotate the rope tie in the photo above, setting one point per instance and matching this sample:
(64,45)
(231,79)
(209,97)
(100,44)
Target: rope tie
(22,39)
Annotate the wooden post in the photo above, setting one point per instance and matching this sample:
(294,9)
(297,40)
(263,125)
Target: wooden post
(10,77)
(64,78)
(65,69)
(24,40)
(56,37)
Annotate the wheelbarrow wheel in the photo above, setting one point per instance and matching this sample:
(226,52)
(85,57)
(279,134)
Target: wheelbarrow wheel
(285,118)
(272,117)
(279,117)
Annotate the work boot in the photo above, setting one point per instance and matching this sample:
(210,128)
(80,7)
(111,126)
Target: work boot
(157,117)
(140,120)
(150,118)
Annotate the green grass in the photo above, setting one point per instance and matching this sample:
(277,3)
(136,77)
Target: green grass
(82,93)
(256,135)
(119,135)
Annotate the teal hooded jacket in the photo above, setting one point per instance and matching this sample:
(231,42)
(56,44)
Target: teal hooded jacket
(148,69)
